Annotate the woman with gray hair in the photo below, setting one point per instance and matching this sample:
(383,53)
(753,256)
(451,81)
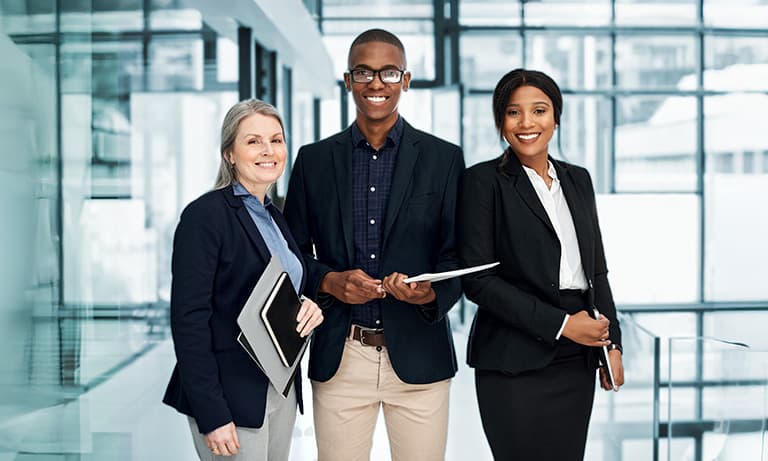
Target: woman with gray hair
(223,243)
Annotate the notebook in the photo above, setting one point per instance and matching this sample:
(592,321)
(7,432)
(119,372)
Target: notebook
(279,317)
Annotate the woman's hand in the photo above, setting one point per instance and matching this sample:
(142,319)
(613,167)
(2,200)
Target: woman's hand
(584,330)
(618,371)
(223,440)
(310,316)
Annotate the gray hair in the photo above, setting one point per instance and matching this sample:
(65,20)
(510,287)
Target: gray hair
(237,114)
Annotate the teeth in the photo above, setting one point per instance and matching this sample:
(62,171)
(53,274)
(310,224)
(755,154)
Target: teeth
(528,137)
(376,98)
(267,164)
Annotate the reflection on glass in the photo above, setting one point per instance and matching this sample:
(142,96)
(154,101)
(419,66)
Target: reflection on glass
(735,63)
(654,61)
(573,61)
(486,56)
(656,143)
(568,12)
(736,13)
(656,13)
(489,12)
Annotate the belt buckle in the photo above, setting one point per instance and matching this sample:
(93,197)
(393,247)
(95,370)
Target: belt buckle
(364,330)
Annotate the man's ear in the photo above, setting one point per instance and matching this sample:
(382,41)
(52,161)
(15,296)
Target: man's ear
(406,81)
(347,81)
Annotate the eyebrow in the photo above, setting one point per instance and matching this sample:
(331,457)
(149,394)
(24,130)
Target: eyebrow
(279,133)
(367,67)
(534,103)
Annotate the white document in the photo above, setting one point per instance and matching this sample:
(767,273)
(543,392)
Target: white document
(436,277)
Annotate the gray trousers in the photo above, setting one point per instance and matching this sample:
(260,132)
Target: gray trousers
(270,442)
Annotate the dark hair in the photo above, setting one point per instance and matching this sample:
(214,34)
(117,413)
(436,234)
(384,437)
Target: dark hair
(376,35)
(521,77)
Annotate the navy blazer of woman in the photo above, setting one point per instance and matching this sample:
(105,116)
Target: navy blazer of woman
(501,218)
(218,256)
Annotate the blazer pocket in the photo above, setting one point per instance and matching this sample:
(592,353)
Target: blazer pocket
(421,199)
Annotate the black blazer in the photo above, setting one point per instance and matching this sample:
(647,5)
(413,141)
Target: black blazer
(419,236)
(218,256)
(502,219)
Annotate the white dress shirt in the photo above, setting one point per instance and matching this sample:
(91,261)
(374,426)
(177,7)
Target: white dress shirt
(571,272)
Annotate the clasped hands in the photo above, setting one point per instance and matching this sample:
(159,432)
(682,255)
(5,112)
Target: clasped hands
(583,329)
(356,287)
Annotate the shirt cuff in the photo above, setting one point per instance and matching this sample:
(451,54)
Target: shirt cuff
(562,327)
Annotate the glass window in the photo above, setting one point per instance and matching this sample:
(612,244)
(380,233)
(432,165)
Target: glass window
(654,61)
(489,12)
(656,143)
(481,140)
(171,15)
(735,245)
(656,13)
(175,63)
(641,230)
(378,8)
(573,61)
(583,137)
(735,63)
(736,13)
(568,12)
(417,37)
(227,60)
(487,56)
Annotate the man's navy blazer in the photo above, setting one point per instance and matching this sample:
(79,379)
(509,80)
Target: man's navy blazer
(502,219)
(418,236)
(218,256)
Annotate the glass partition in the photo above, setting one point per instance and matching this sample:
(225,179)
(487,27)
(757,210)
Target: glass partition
(624,424)
(717,400)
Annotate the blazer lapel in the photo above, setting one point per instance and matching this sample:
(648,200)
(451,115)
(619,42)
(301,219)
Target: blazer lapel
(245,220)
(292,245)
(580,214)
(525,189)
(401,178)
(342,164)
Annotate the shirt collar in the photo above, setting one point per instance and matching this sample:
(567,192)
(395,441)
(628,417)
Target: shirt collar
(240,191)
(550,171)
(393,137)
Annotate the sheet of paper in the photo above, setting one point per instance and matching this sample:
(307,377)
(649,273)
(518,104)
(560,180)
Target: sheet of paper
(436,277)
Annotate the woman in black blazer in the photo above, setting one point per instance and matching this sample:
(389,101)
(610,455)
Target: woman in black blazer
(222,245)
(533,343)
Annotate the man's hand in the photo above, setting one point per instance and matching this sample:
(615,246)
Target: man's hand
(223,440)
(413,293)
(618,371)
(584,330)
(352,287)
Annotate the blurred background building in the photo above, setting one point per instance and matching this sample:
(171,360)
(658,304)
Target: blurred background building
(109,120)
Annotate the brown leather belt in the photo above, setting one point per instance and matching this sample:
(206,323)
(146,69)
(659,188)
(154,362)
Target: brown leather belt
(368,336)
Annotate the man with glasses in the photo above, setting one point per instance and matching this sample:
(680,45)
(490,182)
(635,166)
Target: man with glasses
(368,207)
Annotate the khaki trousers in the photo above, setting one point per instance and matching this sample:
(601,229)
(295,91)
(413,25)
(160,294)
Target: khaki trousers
(346,408)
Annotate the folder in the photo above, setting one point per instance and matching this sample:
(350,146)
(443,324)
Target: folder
(279,316)
(256,339)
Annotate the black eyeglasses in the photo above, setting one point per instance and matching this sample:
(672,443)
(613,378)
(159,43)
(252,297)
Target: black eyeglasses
(386,75)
